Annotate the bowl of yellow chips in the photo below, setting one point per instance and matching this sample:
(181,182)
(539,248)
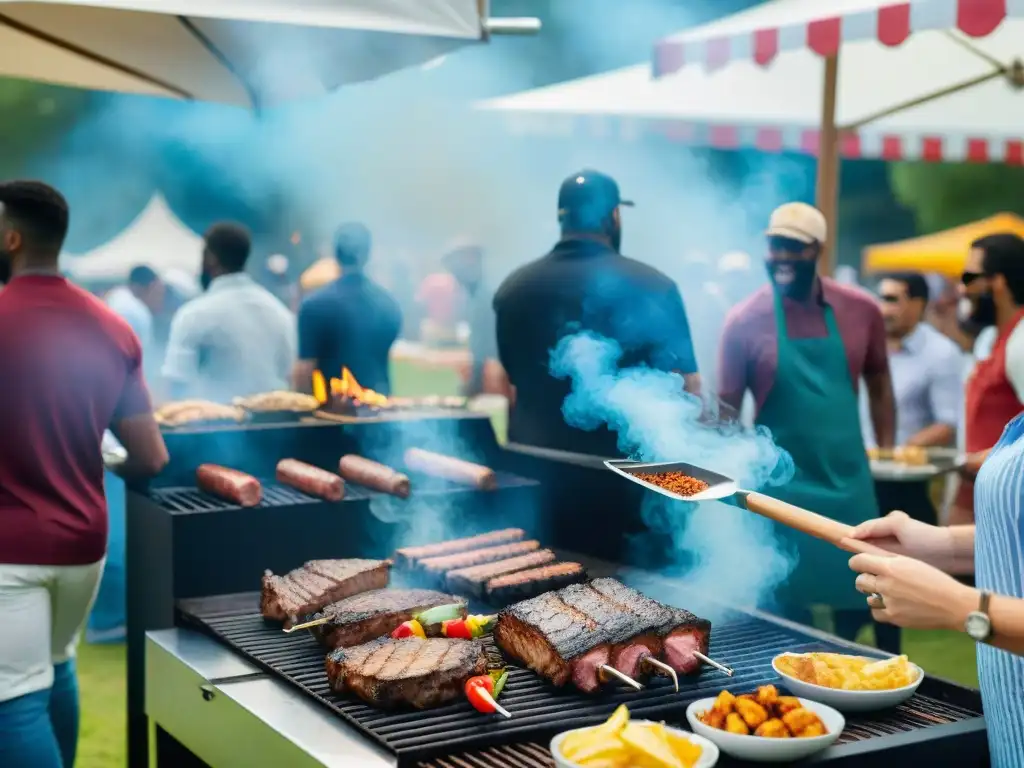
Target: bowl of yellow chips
(623,743)
(849,683)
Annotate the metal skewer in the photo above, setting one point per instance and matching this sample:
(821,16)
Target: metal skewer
(664,668)
(713,663)
(307,624)
(610,670)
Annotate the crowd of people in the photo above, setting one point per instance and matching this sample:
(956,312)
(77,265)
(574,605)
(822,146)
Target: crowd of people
(830,369)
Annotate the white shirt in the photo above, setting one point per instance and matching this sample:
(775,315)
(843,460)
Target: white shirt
(237,339)
(134,312)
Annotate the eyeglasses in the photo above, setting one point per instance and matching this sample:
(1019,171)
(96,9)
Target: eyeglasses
(969,277)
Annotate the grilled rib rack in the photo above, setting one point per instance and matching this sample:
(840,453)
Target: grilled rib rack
(456,736)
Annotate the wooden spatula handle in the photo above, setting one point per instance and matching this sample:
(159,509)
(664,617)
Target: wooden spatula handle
(808,522)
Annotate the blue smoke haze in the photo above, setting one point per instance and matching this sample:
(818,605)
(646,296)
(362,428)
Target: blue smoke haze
(723,552)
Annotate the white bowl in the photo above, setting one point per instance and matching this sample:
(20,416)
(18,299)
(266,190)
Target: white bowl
(708,755)
(760,749)
(848,701)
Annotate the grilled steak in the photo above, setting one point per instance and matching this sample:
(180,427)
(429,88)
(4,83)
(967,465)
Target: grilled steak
(473,580)
(440,565)
(370,615)
(422,673)
(319,583)
(570,633)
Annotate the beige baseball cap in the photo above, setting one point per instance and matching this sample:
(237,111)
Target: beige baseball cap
(798,221)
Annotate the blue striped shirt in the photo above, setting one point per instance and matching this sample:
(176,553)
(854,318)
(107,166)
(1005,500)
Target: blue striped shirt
(999,557)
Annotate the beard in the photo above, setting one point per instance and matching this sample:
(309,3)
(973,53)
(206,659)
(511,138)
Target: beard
(616,239)
(801,277)
(205,278)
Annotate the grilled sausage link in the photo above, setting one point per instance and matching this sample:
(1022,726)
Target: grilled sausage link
(244,490)
(450,468)
(371,474)
(310,479)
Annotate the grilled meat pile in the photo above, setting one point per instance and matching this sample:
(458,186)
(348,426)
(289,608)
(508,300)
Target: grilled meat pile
(568,634)
(496,567)
(387,673)
(361,618)
(319,583)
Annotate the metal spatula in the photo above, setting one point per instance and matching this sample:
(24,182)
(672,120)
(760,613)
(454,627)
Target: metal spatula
(722,487)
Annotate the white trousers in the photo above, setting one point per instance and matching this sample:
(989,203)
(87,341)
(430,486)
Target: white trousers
(42,612)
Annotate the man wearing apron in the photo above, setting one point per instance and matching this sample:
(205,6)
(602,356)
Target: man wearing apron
(801,346)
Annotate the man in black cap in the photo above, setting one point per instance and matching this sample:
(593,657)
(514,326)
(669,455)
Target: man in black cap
(585,284)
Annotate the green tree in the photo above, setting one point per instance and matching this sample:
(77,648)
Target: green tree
(944,195)
(35,115)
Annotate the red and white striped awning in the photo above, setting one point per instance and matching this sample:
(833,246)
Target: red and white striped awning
(778,108)
(823,26)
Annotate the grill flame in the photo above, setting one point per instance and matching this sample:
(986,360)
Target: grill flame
(346,387)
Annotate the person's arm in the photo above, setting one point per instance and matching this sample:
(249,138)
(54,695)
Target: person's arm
(917,596)
(948,548)
(134,426)
(674,351)
(181,360)
(881,401)
(732,365)
(945,398)
(309,348)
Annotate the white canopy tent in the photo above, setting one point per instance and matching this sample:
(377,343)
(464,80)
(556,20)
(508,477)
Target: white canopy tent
(778,107)
(251,53)
(156,238)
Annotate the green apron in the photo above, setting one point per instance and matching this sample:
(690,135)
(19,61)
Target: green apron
(812,412)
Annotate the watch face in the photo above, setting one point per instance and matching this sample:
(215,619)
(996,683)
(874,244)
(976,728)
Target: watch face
(978,626)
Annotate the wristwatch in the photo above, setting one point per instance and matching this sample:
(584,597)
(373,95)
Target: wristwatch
(978,624)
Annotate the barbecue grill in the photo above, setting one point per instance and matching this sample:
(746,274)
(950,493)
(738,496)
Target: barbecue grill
(222,688)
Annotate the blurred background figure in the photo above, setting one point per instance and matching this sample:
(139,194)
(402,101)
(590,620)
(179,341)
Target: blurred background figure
(136,302)
(464,260)
(349,323)
(442,303)
(992,291)
(237,338)
(277,278)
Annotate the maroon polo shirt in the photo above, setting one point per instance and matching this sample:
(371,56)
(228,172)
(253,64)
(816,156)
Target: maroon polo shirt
(749,352)
(69,367)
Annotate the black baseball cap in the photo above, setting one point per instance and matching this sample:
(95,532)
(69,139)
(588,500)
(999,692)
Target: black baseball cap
(589,195)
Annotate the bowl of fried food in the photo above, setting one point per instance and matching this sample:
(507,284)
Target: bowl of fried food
(623,743)
(764,726)
(849,683)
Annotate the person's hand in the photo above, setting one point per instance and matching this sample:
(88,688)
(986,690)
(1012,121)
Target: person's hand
(902,535)
(912,594)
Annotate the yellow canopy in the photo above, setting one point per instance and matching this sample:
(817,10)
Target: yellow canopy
(320,274)
(941,252)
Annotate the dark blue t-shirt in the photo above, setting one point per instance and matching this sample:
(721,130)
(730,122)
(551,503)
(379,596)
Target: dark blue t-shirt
(351,323)
(583,285)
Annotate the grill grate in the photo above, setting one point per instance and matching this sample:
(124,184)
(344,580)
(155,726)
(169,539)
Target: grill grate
(185,500)
(745,643)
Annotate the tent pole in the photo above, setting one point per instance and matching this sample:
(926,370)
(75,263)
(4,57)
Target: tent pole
(827,187)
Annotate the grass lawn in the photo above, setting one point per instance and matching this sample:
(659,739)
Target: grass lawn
(101,668)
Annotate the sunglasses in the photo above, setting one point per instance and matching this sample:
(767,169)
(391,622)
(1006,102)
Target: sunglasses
(969,277)
(890,298)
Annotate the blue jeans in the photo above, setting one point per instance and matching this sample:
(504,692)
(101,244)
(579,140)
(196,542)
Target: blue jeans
(107,620)
(40,730)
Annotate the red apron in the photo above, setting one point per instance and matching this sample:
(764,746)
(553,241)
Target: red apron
(990,404)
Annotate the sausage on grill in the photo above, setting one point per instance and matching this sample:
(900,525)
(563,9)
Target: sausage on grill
(244,490)
(371,474)
(310,479)
(450,468)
